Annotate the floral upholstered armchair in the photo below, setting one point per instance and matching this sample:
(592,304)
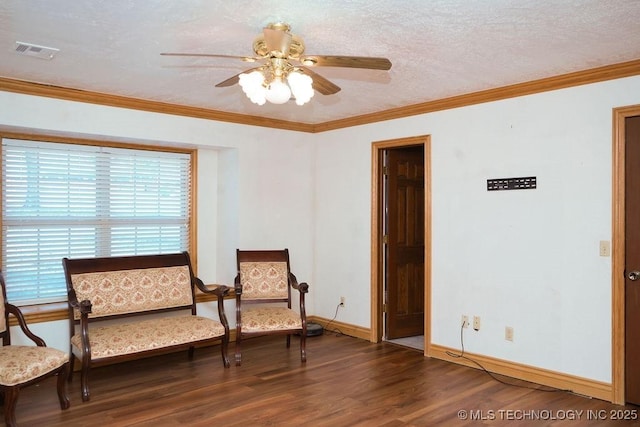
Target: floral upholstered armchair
(263,288)
(23,365)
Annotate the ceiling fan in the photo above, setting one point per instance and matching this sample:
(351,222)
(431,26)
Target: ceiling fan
(285,70)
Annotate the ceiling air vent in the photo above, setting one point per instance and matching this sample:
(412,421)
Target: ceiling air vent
(36,51)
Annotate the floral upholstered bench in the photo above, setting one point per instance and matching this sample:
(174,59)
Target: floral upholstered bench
(121,308)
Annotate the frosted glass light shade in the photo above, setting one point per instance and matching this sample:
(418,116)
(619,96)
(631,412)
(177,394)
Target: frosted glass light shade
(253,86)
(301,86)
(278,92)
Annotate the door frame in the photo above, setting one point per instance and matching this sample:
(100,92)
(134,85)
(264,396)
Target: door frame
(377,252)
(618,253)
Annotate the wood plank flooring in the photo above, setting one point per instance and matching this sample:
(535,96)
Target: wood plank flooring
(345,382)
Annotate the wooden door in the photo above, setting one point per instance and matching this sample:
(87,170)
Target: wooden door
(404,249)
(632,260)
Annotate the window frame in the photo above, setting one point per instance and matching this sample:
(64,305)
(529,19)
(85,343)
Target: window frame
(48,311)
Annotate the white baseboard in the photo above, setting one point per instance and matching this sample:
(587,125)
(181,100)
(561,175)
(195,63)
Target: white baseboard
(562,381)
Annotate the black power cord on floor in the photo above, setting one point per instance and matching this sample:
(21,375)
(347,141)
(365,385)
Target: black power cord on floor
(461,355)
(337,331)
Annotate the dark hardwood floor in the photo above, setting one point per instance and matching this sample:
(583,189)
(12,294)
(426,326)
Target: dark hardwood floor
(345,382)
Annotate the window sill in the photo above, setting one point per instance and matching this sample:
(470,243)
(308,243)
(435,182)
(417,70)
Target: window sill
(50,312)
(39,313)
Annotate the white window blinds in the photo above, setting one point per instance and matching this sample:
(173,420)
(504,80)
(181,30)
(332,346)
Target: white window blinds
(68,200)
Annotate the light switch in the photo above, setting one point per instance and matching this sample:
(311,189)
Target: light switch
(605,248)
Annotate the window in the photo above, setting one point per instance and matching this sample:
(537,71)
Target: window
(70,200)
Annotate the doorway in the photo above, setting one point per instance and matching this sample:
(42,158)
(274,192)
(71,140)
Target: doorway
(401,241)
(626,256)
(632,261)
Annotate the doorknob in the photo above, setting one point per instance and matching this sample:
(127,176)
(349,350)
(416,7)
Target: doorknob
(633,275)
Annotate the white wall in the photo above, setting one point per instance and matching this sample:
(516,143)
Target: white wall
(527,259)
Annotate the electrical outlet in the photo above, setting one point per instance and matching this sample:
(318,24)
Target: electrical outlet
(476,323)
(342,301)
(465,321)
(508,333)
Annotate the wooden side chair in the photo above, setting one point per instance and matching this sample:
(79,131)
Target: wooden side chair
(263,298)
(22,365)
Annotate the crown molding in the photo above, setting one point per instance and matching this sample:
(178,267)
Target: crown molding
(594,75)
(50,91)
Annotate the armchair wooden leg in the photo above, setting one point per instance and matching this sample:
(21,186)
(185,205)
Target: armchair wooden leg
(10,400)
(224,349)
(238,350)
(303,347)
(62,386)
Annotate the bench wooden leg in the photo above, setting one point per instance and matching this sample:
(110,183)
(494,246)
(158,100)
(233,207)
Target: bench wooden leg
(84,381)
(72,364)
(62,386)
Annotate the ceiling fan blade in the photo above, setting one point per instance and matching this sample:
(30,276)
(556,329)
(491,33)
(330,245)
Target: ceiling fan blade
(321,84)
(368,62)
(235,79)
(277,40)
(211,55)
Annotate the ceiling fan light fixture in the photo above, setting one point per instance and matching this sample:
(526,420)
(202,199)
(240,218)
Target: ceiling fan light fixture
(253,86)
(301,87)
(259,90)
(278,92)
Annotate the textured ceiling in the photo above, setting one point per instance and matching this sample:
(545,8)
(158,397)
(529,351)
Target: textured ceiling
(439,48)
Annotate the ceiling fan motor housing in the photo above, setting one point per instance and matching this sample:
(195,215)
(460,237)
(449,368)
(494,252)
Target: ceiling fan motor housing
(282,43)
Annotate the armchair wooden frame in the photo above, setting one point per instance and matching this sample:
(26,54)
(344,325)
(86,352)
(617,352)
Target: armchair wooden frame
(23,365)
(268,269)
